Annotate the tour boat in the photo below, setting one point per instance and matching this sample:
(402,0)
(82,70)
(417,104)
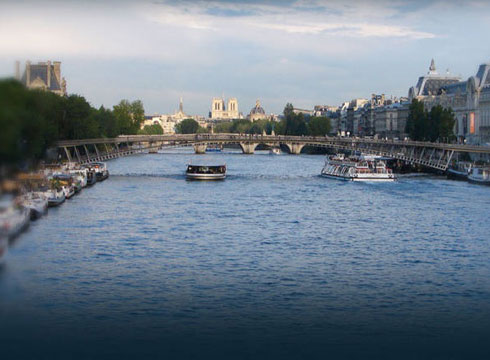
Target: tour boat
(205,172)
(55,197)
(13,218)
(459,171)
(37,204)
(369,169)
(101,171)
(479,175)
(275,151)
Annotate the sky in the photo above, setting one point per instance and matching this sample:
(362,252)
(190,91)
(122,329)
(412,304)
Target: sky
(306,52)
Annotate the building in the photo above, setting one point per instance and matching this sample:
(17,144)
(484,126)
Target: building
(390,120)
(305,112)
(257,112)
(470,101)
(220,112)
(43,75)
(431,83)
(168,121)
(353,115)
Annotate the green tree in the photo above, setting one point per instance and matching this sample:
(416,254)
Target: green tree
(288,110)
(108,124)
(416,125)
(319,126)
(435,125)
(241,126)
(78,118)
(130,116)
(187,126)
(223,127)
(154,129)
(446,125)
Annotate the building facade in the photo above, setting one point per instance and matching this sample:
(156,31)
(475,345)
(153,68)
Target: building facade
(168,121)
(470,101)
(257,112)
(220,112)
(43,75)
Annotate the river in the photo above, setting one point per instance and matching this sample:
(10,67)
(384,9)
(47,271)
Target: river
(273,262)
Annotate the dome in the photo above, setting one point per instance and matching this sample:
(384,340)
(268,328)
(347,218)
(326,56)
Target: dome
(257,109)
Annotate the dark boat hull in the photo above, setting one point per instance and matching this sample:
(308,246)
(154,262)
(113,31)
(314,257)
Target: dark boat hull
(456,175)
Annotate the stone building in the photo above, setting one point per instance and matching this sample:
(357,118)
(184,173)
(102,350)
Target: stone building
(168,121)
(430,84)
(220,112)
(257,112)
(390,120)
(43,75)
(470,101)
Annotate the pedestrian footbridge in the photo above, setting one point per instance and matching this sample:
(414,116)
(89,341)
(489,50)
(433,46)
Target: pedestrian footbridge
(433,155)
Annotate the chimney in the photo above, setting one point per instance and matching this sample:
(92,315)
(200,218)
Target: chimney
(28,73)
(57,72)
(17,70)
(48,74)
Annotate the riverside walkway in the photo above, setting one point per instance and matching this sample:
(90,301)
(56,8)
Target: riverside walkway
(433,155)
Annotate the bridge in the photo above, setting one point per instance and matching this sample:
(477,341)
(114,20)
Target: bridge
(433,155)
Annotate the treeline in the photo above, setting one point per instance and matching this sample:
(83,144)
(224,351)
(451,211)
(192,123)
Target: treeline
(290,124)
(33,120)
(434,125)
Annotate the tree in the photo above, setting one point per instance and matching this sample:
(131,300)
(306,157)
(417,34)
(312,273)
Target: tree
(129,116)
(446,125)
(288,110)
(108,124)
(187,126)
(154,129)
(437,124)
(319,126)
(223,127)
(416,125)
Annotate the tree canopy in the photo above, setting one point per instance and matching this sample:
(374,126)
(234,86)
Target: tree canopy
(154,129)
(33,120)
(187,126)
(436,124)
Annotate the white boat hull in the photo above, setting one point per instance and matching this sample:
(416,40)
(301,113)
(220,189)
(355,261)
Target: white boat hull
(206,176)
(364,178)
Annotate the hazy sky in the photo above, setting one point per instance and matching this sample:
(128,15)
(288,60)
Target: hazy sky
(306,52)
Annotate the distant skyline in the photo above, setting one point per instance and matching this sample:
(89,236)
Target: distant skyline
(305,52)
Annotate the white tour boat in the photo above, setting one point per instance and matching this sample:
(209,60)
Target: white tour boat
(275,151)
(479,175)
(363,169)
(204,172)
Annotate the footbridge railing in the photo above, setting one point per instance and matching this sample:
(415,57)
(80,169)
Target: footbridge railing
(434,155)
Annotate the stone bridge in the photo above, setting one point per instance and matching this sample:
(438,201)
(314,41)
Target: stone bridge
(434,155)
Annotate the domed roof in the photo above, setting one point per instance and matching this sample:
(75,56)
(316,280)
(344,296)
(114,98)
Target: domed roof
(257,109)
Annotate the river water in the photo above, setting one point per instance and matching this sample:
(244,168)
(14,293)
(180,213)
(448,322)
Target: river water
(273,262)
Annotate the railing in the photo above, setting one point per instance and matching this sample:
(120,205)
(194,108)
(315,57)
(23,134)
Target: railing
(435,155)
